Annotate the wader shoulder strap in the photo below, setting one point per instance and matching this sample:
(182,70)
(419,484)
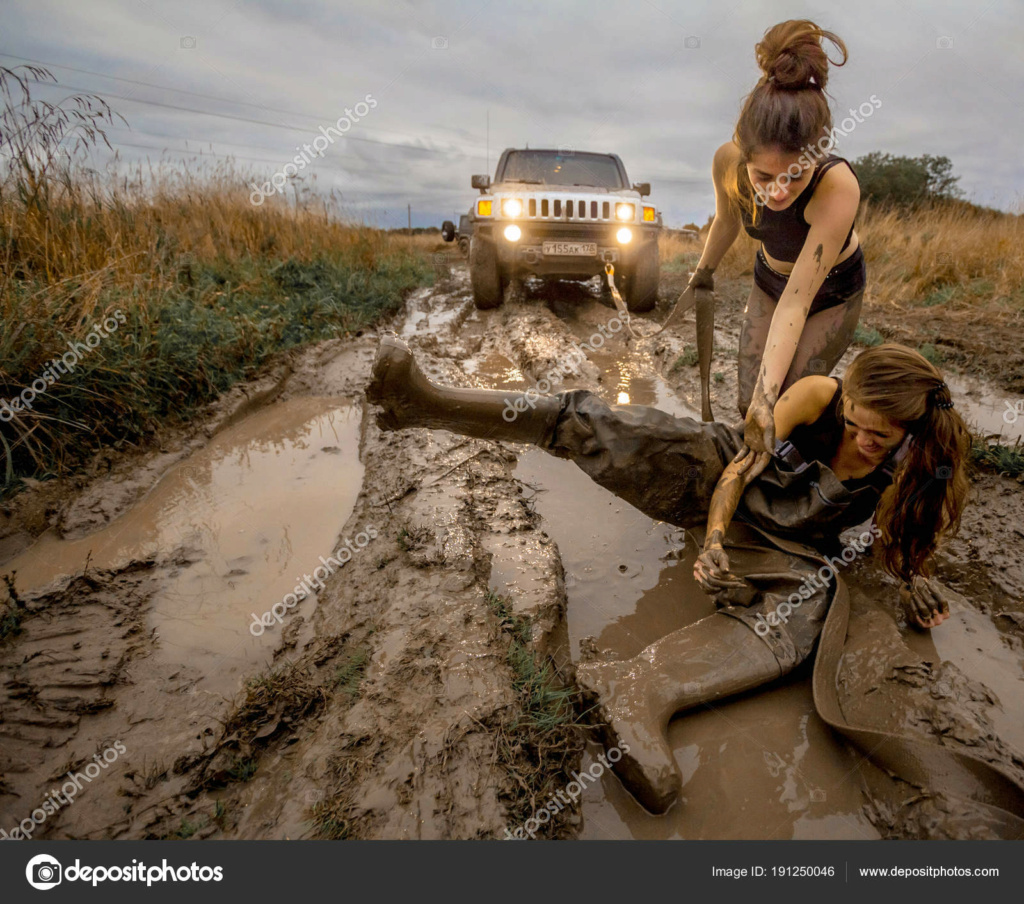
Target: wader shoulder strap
(921,763)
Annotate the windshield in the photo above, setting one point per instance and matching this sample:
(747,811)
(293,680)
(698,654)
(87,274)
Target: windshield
(552,168)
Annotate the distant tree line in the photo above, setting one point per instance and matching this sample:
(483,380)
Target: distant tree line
(888,179)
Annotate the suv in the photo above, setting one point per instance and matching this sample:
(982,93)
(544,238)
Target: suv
(562,214)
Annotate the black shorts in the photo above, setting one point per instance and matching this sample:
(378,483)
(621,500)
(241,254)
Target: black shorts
(842,282)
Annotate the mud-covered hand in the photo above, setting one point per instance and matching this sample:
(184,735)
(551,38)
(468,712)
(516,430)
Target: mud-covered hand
(703,278)
(711,570)
(759,432)
(925,601)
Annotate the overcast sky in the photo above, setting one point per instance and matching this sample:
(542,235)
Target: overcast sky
(659,82)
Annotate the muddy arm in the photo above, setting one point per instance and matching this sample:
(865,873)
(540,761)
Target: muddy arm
(712,566)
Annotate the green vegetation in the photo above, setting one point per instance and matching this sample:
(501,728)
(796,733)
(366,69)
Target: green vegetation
(688,358)
(546,703)
(999,458)
(867,335)
(349,675)
(887,178)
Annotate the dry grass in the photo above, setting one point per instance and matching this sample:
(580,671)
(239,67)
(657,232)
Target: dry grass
(953,254)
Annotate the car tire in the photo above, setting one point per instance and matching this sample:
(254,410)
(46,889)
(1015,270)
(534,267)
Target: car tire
(640,282)
(485,274)
(464,245)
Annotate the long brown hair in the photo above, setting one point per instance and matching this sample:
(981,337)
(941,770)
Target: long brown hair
(788,107)
(930,486)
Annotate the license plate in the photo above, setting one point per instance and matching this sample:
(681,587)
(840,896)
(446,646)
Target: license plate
(576,249)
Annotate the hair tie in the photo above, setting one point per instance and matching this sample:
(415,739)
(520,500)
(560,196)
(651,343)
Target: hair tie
(940,395)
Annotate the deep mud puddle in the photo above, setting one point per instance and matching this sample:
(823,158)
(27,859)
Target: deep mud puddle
(245,520)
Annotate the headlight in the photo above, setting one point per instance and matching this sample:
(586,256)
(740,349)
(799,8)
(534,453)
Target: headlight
(625,211)
(483,208)
(511,207)
(649,214)
(513,232)
(624,235)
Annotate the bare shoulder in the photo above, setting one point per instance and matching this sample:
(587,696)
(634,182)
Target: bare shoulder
(838,184)
(803,403)
(729,155)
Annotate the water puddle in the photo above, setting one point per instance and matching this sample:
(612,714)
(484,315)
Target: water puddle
(990,410)
(970,641)
(254,509)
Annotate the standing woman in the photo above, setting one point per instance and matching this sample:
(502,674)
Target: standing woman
(778,179)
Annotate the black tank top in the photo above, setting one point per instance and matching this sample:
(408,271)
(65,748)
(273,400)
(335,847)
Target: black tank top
(783,232)
(818,441)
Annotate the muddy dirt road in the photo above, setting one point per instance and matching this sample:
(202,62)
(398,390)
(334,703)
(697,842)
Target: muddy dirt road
(284,623)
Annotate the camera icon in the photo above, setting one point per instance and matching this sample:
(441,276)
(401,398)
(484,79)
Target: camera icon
(566,150)
(944,472)
(943,42)
(817,795)
(817,365)
(187,42)
(439,42)
(694,473)
(314,796)
(440,258)
(43,872)
(691,42)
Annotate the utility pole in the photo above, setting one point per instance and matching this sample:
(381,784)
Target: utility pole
(409,209)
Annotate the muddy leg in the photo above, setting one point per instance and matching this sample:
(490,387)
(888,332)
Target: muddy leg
(665,466)
(635,698)
(824,340)
(757,318)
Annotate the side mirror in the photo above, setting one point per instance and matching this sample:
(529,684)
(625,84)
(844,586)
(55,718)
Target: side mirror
(643,187)
(448,231)
(481,182)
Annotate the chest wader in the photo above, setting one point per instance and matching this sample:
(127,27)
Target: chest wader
(667,467)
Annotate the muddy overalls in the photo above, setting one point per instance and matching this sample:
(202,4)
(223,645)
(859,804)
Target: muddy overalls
(668,468)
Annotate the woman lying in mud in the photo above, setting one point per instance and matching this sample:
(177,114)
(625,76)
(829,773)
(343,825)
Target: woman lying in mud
(779,180)
(885,442)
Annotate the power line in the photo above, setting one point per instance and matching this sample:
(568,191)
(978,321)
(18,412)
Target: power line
(261,122)
(225,100)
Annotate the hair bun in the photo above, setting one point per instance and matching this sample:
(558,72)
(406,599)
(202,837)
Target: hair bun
(791,56)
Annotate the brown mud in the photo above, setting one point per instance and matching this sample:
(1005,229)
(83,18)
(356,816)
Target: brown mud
(388,703)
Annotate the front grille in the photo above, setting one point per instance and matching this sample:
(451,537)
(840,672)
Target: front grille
(568,210)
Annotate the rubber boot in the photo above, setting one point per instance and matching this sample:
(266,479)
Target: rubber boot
(636,698)
(408,399)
